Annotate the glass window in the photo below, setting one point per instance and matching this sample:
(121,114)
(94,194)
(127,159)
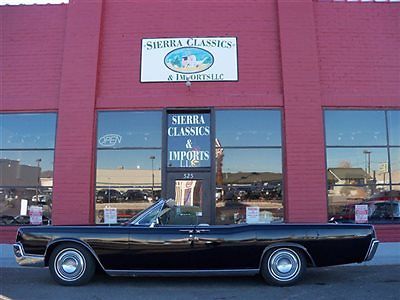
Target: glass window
(249,167)
(355,128)
(248,128)
(26,166)
(343,201)
(129,129)
(395,165)
(394,127)
(362,168)
(189,140)
(27,131)
(128,179)
(252,160)
(135,159)
(357,165)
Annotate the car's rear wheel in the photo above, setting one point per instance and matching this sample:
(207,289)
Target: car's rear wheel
(283,266)
(71,264)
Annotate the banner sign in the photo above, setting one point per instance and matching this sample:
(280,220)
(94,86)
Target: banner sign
(189,59)
(189,140)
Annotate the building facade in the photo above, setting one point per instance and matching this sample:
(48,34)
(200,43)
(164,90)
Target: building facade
(263,111)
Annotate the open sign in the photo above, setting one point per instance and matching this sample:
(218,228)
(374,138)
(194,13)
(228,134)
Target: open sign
(110,140)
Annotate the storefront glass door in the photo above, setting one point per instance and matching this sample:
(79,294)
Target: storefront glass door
(191,192)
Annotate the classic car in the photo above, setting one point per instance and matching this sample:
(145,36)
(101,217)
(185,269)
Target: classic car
(166,239)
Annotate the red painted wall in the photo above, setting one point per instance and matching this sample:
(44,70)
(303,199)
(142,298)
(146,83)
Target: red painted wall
(299,55)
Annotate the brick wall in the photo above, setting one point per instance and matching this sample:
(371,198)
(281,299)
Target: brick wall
(254,23)
(73,196)
(305,191)
(299,55)
(31,52)
(358,45)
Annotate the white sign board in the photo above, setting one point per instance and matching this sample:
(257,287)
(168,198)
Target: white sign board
(110,215)
(252,215)
(35,215)
(361,213)
(189,59)
(24,207)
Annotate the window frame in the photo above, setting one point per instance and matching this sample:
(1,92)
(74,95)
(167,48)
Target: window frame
(387,147)
(95,187)
(32,149)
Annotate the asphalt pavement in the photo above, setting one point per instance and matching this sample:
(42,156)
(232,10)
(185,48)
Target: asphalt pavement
(358,282)
(377,279)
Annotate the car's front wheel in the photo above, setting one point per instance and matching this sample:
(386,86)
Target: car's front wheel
(71,264)
(283,266)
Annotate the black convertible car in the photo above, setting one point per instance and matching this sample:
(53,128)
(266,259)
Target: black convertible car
(157,242)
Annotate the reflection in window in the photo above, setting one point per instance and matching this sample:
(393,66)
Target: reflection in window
(362,166)
(128,175)
(129,180)
(129,129)
(355,128)
(26,167)
(248,177)
(395,165)
(189,193)
(245,128)
(358,165)
(28,131)
(394,127)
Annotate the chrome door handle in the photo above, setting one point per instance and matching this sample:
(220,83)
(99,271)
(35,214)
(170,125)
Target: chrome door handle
(202,230)
(186,230)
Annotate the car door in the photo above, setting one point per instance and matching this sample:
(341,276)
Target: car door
(162,247)
(221,247)
(161,241)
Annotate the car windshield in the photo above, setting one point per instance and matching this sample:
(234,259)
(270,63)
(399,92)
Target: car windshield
(144,212)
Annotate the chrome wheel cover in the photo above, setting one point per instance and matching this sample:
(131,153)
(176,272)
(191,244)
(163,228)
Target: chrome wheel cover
(70,264)
(284,264)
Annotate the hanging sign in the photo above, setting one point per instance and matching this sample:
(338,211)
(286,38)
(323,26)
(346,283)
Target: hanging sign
(189,141)
(189,59)
(35,215)
(24,207)
(252,215)
(110,215)
(361,213)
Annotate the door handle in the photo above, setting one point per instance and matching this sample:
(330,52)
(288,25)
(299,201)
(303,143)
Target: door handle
(186,230)
(202,230)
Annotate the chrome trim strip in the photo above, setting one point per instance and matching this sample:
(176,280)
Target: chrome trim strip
(27,260)
(373,246)
(197,273)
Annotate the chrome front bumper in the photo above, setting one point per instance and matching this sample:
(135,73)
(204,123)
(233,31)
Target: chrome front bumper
(372,249)
(25,259)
